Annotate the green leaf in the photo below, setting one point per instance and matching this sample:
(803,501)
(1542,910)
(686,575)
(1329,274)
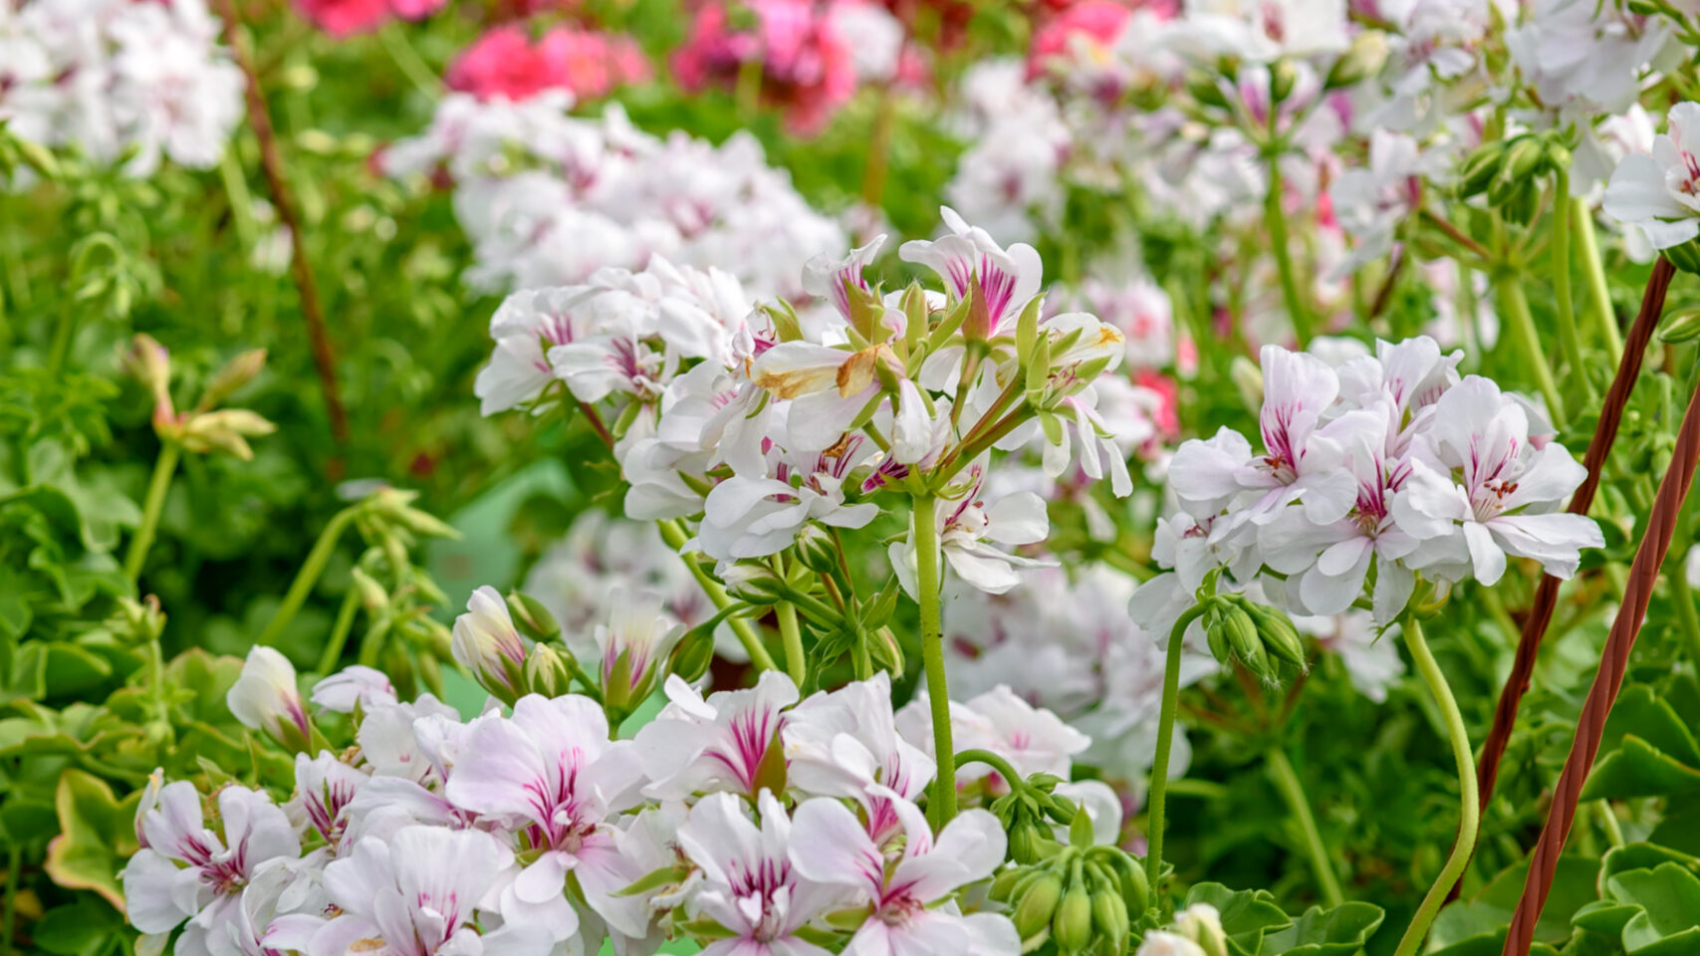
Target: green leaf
(79,929)
(1643,856)
(1669,896)
(1642,712)
(1246,914)
(96,835)
(72,670)
(1638,769)
(1340,931)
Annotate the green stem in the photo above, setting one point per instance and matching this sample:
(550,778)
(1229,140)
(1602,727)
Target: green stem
(1569,337)
(1165,742)
(407,59)
(1274,220)
(1683,597)
(372,644)
(308,575)
(927,582)
(63,333)
(164,467)
(1608,822)
(1469,819)
(675,538)
(1515,305)
(992,760)
(241,201)
(792,636)
(1287,781)
(1605,321)
(339,632)
(14,860)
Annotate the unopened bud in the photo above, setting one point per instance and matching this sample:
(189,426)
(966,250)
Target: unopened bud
(1282,76)
(488,645)
(1680,326)
(1248,380)
(817,550)
(149,363)
(225,430)
(266,699)
(230,379)
(548,671)
(693,654)
(532,618)
(137,622)
(754,583)
(1243,638)
(1110,919)
(1202,924)
(1480,169)
(1364,59)
(635,645)
(1038,904)
(372,594)
(1685,256)
(1071,927)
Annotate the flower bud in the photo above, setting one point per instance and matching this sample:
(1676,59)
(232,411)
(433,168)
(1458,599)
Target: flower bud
(265,698)
(1279,636)
(224,430)
(488,645)
(1364,59)
(547,671)
(1025,840)
(1203,925)
(1243,638)
(372,594)
(1004,885)
(1136,888)
(230,379)
(635,644)
(1162,943)
(1685,256)
(1071,927)
(1525,158)
(137,622)
(817,550)
(753,583)
(1480,169)
(532,618)
(1282,75)
(149,363)
(1038,904)
(1110,919)
(977,326)
(1681,326)
(694,653)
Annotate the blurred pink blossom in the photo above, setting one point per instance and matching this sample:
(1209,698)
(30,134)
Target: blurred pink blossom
(505,63)
(806,67)
(345,18)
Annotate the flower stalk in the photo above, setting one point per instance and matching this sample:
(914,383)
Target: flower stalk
(1165,743)
(1292,790)
(164,467)
(1469,811)
(927,577)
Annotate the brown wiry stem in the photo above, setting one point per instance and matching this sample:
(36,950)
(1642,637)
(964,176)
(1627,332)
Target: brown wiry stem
(1546,593)
(1614,661)
(324,360)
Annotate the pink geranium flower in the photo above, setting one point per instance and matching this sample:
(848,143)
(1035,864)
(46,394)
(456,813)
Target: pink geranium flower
(505,63)
(807,68)
(345,18)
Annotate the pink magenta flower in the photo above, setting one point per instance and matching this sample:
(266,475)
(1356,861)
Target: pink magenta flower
(807,68)
(345,18)
(1088,26)
(504,63)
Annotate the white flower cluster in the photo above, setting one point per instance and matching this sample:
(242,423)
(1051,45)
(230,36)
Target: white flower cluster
(744,819)
(1389,465)
(141,82)
(549,198)
(761,422)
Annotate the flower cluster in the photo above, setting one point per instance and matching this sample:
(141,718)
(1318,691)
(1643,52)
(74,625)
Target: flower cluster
(549,198)
(346,18)
(750,820)
(505,63)
(137,82)
(1388,465)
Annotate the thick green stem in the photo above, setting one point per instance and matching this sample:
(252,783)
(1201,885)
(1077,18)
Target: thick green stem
(675,538)
(927,581)
(308,575)
(164,467)
(1469,819)
(1593,268)
(1515,305)
(792,636)
(1165,743)
(1570,339)
(1274,220)
(1287,781)
(339,632)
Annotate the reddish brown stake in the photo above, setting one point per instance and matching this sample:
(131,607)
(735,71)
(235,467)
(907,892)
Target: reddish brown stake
(271,162)
(1614,660)
(1546,593)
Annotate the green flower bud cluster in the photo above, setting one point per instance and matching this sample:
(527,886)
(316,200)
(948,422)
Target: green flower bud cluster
(1081,897)
(1260,637)
(1509,172)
